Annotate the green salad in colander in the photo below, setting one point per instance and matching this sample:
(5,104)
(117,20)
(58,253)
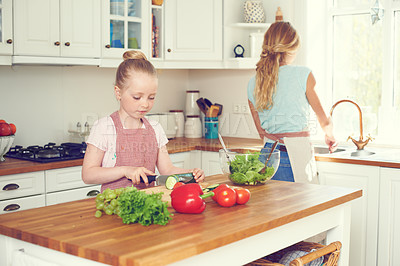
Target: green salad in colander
(245,170)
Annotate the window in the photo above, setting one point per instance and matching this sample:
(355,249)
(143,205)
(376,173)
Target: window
(365,64)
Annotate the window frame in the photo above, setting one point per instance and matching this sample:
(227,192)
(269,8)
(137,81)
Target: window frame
(389,63)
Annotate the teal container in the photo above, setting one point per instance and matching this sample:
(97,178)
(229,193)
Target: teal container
(211,127)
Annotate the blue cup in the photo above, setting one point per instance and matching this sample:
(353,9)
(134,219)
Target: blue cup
(211,127)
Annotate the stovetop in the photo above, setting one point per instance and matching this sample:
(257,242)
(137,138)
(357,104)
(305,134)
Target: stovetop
(49,152)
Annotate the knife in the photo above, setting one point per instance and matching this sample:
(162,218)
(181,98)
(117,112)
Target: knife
(160,180)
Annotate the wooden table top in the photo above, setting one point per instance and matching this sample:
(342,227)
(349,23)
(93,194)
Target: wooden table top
(73,229)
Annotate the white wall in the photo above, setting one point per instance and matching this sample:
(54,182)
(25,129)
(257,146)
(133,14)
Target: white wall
(45,101)
(227,87)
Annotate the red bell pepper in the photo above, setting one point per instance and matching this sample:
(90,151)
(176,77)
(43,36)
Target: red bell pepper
(189,198)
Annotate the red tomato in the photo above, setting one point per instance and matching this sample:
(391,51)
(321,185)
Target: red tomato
(3,121)
(5,129)
(226,197)
(13,128)
(242,195)
(178,185)
(221,186)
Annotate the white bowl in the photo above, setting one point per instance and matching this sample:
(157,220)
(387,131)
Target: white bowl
(5,145)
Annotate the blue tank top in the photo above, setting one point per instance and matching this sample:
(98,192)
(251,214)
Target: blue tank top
(290,110)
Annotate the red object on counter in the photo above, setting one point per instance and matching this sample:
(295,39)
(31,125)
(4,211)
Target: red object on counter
(226,197)
(189,198)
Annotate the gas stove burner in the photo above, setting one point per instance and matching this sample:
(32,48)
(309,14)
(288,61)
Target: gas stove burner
(50,152)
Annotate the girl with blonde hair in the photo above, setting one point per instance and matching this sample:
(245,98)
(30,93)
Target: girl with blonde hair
(124,148)
(279,97)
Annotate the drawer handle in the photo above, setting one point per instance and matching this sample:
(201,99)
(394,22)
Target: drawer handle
(9,41)
(92,193)
(11,187)
(11,207)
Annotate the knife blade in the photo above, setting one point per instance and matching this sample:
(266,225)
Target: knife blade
(161,179)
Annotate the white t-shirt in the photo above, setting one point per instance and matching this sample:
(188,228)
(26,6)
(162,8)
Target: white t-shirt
(103,135)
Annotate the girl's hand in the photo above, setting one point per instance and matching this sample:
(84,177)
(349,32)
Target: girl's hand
(198,174)
(135,173)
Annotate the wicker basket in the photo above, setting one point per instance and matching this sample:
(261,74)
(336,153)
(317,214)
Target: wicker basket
(330,252)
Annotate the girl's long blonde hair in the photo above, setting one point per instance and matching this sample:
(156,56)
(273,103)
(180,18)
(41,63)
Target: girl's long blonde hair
(279,40)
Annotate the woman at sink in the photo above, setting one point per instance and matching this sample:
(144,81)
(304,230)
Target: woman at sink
(279,97)
(124,148)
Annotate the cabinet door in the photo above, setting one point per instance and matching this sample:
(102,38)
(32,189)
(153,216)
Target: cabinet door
(36,27)
(20,204)
(389,218)
(72,194)
(125,26)
(364,211)
(21,185)
(6,47)
(64,178)
(80,28)
(181,159)
(210,163)
(193,30)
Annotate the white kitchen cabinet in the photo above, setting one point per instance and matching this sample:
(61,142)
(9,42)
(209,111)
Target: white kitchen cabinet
(364,216)
(125,26)
(210,163)
(72,194)
(6,28)
(22,185)
(65,184)
(20,204)
(389,217)
(181,160)
(22,191)
(56,28)
(193,30)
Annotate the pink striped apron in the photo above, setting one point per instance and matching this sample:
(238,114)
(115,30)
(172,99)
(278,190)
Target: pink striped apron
(134,147)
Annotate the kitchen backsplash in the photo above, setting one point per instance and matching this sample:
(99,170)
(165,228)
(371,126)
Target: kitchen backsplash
(44,102)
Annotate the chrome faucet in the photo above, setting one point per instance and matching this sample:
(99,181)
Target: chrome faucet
(360,143)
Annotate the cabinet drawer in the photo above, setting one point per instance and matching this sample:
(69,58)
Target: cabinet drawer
(13,205)
(71,195)
(64,178)
(20,185)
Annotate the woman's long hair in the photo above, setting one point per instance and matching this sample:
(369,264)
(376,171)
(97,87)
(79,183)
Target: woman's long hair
(281,38)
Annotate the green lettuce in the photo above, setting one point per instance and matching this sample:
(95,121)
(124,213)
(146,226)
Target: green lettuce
(245,170)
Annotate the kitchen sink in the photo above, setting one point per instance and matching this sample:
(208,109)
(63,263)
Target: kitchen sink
(350,152)
(325,150)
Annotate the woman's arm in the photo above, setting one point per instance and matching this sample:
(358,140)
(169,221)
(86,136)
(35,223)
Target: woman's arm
(93,173)
(323,119)
(165,166)
(256,119)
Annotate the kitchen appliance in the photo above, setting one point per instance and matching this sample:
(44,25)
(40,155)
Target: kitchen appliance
(167,121)
(49,152)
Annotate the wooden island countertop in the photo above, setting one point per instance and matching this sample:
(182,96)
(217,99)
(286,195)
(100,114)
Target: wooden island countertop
(274,207)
